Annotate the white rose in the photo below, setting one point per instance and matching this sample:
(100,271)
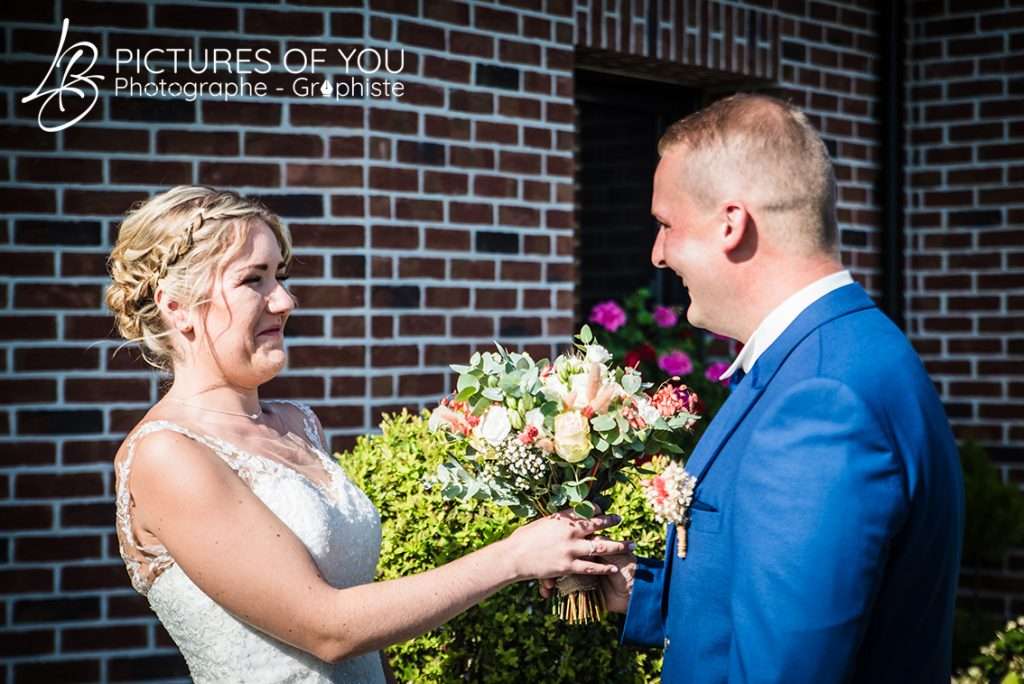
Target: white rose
(555,387)
(495,425)
(572,437)
(597,354)
(535,418)
(580,384)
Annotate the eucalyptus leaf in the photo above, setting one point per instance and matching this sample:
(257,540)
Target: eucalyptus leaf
(631,382)
(584,509)
(559,497)
(549,408)
(510,383)
(493,393)
(479,404)
(602,422)
(453,490)
(467,381)
(586,336)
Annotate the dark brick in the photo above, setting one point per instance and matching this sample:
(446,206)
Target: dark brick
(57,610)
(64,548)
(400,297)
(27,642)
(56,232)
(494,76)
(59,422)
(57,671)
(294,206)
(507,243)
(133,669)
(153,110)
(420,152)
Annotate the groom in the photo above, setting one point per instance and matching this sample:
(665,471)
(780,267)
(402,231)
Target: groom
(824,536)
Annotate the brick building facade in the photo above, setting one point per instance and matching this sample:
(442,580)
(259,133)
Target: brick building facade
(429,224)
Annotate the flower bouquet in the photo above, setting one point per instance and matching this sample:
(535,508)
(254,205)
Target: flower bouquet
(545,436)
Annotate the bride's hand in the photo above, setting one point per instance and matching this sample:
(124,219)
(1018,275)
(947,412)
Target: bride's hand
(557,545)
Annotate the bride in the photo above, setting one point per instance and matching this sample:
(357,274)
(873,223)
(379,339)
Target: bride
(254,549)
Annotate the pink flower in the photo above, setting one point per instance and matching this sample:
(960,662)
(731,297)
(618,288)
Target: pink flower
(714,372)
(676,363)
(665,317)
(672,399)
(529,434)
(609,315)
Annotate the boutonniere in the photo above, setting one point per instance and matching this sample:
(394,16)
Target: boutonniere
(670,494)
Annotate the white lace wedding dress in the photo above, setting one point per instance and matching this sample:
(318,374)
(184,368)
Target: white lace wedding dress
(338,525)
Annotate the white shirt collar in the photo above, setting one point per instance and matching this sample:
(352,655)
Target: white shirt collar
(775,323)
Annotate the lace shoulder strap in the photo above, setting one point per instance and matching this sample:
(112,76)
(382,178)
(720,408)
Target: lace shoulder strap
(146,562)
(309,422)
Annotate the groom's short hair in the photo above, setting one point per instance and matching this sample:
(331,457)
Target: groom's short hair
(770,150)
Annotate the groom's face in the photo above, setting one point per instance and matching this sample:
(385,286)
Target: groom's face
(685,239)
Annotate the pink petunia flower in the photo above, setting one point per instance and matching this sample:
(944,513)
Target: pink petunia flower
(665,317)
(609,315)
(676,363)
(714,372)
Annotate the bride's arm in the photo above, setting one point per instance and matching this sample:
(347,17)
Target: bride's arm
(248,561)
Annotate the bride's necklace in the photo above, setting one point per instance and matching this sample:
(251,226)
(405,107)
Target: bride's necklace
(242,414)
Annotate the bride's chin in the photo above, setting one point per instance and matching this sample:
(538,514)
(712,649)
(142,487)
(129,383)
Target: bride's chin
(270,364)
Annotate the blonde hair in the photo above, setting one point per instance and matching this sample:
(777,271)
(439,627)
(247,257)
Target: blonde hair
(178,240)
(771,147)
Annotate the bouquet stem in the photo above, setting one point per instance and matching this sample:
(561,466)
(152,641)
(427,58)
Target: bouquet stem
(580,600)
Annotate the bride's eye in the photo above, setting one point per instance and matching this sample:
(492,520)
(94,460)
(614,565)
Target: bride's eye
(251,280)
(282,277)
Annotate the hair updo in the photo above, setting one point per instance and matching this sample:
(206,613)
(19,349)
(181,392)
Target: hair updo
(180,240)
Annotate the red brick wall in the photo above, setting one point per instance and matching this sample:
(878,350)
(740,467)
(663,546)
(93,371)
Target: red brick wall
(424,227)
(965,285)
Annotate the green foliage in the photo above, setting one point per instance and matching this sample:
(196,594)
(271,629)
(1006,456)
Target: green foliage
(995,510)
(1001,660)
(994,523)
(513,636)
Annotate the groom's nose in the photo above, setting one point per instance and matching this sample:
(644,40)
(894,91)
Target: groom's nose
(658,250)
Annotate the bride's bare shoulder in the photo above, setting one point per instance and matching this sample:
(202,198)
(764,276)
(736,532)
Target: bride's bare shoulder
(159,412)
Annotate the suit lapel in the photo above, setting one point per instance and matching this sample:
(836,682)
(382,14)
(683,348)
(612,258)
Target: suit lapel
(840,302)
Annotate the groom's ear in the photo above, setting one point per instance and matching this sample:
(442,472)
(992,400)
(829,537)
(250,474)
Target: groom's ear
(735,226)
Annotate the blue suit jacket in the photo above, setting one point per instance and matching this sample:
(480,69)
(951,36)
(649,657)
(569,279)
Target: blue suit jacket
(825,535)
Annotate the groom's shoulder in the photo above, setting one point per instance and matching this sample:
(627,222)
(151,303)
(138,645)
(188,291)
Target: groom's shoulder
(866,351)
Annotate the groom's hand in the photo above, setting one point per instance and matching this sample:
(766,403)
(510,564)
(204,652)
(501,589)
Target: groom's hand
(617,588)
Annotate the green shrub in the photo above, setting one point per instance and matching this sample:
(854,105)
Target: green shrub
(512,636)
(993,524)
(1001,660)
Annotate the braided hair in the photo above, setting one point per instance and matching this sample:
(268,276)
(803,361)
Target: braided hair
(177,241)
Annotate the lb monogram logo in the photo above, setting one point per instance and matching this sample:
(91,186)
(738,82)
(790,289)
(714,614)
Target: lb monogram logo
(76,82)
